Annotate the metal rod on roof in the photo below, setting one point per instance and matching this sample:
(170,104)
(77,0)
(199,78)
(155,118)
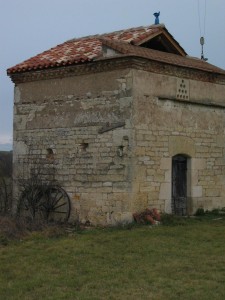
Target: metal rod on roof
(202,42)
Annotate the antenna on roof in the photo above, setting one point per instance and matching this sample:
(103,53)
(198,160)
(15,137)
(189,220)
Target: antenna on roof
(202,39)
(202,42)
(156,14)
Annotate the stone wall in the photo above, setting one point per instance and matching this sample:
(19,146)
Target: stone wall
(108,138)
(80,129)
(165,126)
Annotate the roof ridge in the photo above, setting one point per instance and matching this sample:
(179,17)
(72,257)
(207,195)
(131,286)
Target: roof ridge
(90,48)
(116,32)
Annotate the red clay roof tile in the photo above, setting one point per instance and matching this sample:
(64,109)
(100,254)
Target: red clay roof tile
(168,58)
(89,48)
(79,50)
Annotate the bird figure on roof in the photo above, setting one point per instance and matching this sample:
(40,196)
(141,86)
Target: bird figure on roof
(156,14)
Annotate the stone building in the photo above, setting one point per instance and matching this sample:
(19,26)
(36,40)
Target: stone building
(126,120)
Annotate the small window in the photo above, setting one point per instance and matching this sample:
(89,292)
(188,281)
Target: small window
(50,154)
(83,146)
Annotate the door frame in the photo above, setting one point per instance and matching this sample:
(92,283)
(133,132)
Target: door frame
(180,200)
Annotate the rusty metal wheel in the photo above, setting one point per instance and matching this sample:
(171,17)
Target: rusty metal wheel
(56,204)
(49,203)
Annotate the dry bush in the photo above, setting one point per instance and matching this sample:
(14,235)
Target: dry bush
(5,182)
(6,163)
(14,228)
(5,195)
(10,229)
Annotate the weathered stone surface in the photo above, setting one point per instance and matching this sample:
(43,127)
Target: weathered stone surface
(113,135)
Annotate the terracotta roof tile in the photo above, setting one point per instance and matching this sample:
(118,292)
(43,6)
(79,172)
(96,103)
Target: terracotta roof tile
(89,48)
(168,58)
(79,50)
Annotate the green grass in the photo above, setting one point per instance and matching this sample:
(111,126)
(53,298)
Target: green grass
(163,262)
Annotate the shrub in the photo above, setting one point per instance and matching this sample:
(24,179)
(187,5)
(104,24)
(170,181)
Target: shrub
(5,195)
(200,212)
(11,228)
(172,220)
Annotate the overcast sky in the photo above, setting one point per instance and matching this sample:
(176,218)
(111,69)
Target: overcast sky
(29,27)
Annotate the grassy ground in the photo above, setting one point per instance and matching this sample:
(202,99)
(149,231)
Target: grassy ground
(164,262)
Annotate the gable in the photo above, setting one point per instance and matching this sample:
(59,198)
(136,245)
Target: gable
(164,43)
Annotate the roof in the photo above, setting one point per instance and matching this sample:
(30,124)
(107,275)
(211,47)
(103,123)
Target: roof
(140,42)
(168,58)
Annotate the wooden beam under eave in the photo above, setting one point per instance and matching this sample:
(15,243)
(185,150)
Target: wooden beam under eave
(175,44)
(168,46)
(149,38)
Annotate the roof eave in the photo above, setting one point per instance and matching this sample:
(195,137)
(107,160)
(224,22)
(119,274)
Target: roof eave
(136,56)
(121,62)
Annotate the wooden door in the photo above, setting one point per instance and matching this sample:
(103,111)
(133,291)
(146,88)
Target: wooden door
(179,185)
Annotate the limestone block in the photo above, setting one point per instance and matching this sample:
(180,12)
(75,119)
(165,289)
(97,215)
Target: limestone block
(218,202)
(168,175)
(208,203)
(20,122)
(149,137)
(142,144)
(168,208)
(212,192)
(144,158)
(17,94)
(120,187)
(107,183)
(165,191)
(150,178)
(99,202)
(165,163)
(20,148)
(140,151)
(159,178)
(220,161)
(105,209)
(194,177)
(196,191)
(216,154)
(75,197)
(162,138)
(140,173)
(142,126)
(220,141)
(181,145)
(147,189)
(96,184)
(122,218)
(150,172)
(155,183)
(81,178)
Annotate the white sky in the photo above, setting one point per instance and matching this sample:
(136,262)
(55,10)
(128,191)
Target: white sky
(29,27)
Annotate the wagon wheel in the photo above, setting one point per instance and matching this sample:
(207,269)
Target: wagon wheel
(56,204)
(30,205)
(47,203)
